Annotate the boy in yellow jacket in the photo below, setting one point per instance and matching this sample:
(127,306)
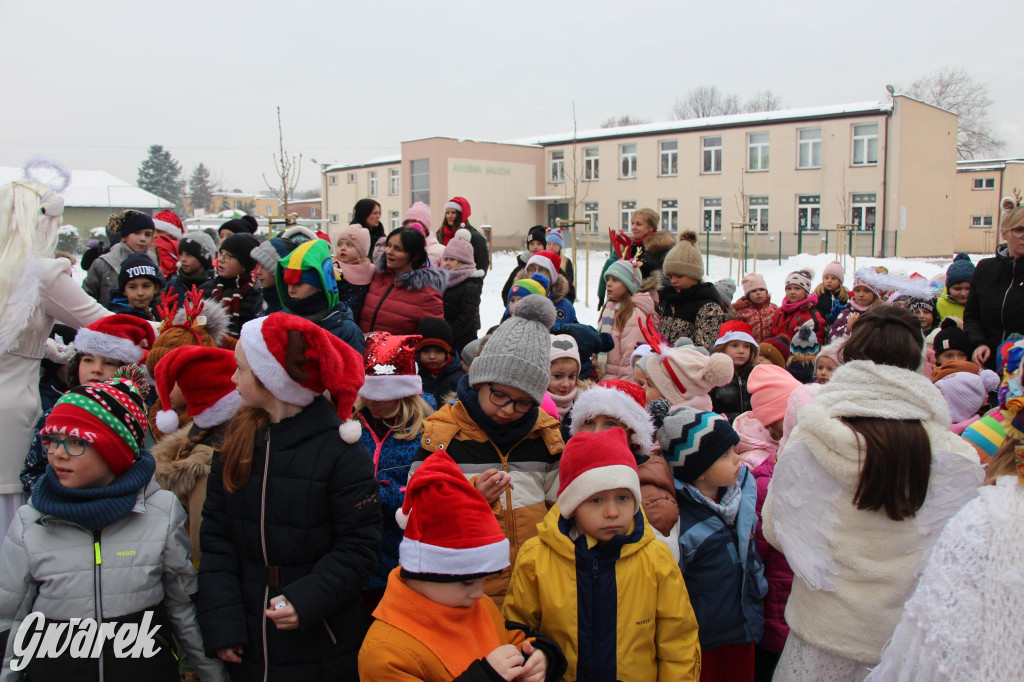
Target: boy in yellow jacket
(435,622)
(597,582)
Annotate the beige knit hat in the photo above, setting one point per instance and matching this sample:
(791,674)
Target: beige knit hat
(684,260)
(680,373)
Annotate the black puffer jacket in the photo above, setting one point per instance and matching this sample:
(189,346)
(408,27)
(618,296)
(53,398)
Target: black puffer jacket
(995,307)
(307,525)
(481,253)
(733,399)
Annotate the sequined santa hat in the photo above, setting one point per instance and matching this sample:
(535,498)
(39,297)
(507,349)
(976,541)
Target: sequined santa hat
(120,337)
(325,362)
(169,223)
(389,362)
(203,375)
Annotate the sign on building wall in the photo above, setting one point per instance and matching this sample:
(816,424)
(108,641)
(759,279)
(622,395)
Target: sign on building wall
(498,193)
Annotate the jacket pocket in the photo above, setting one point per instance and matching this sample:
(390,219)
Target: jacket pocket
(330,632)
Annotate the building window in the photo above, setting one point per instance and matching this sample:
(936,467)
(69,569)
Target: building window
(808,212)
(627,161)
(238,205)
(590,213)
(420,180)
(712,155)
(865,144)
(312,211)
(557,166)
(395,220)
(757,151)
(352,178)
(984,183)
(371,177)
(268,211)
(334,218)
(334,179)
(669,158)
(981,221)
(393,181)
(670,215)
(809,148)
(757,212)
(864,211)
(712,214)
(591,171)
(626,209)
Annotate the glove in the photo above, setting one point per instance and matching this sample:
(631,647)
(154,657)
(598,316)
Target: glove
(56,352)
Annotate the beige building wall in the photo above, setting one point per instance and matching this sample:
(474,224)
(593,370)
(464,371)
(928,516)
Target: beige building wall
(343,186)
(979,187)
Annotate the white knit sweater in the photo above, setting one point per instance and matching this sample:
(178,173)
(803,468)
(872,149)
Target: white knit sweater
(857,568)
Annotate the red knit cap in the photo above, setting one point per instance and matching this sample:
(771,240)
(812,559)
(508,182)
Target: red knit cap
(592,462)
(169,222)
(204,377)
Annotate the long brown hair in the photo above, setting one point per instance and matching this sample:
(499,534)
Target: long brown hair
(897,452)
(1004,462)
(624,310)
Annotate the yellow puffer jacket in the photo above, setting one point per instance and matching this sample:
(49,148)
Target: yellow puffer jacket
(630,613)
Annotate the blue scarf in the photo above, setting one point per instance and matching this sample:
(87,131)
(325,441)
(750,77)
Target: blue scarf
(728,504)
(503,435)
(93,508)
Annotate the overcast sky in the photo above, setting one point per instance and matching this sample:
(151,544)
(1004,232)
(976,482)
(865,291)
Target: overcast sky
(93,83)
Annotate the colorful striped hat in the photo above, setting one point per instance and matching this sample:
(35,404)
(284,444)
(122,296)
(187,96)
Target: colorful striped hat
(627,272)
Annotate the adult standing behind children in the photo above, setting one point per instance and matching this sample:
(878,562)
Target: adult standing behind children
(687,306)
(886,474)
(36,290)
(650,245)
(456,215)
(367,213)
(136,231)
(995,306)
(405,288)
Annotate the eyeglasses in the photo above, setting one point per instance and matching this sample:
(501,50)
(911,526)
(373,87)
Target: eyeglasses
(75,447)
(501,399)
(1017,232)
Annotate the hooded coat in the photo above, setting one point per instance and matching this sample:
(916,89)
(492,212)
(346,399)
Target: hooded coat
(995,306)
(396,304)
(695,313)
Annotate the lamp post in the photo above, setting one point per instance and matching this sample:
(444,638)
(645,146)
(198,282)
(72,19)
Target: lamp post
(323,192)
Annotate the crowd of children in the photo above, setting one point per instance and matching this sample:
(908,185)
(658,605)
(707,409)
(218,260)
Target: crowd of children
(691,488)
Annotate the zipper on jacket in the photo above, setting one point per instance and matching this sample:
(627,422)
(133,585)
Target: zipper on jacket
(743,407)
(510,526)
(373,320)
(97,586)
(595,571)
(1002,308)
(263,546)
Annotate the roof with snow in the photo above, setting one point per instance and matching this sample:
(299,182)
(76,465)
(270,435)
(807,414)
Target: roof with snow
(314,200)
(973,165)
(379,161)
(97,189)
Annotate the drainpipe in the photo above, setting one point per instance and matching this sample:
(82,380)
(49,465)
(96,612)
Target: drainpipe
(885,175)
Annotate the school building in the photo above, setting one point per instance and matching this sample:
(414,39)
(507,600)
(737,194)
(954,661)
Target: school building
(881,177)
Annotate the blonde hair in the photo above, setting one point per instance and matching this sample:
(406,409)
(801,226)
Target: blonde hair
(1012,218)
(649,215)
(842,294)
(624,310)
(1004,462)
(406,418)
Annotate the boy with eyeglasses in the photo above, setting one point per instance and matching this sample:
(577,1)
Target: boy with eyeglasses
(505,445)
(235,286)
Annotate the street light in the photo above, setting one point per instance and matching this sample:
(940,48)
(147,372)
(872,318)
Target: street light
(323,191)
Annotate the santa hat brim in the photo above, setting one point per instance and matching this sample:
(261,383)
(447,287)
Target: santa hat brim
(418,557)
(610,402)
(595,480)
(391,387)
(169,228)
(91,342)
(268,370)
(735,336)
(218,413)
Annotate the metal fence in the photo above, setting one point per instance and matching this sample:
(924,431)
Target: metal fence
(746,247)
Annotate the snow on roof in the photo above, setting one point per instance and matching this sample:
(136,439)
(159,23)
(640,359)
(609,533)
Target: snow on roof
(985,164)
(379,161)
(97,189)
(305,201)
(712,122)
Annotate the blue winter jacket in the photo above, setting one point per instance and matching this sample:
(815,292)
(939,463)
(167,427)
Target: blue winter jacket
(446,382)
(723,572)
(339,322)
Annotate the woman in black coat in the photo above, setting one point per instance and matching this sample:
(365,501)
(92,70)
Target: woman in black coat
(367,213)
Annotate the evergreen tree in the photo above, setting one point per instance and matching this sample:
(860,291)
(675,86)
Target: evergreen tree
(159,174)
(200,188)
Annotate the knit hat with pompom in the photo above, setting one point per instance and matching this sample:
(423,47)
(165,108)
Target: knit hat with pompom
(518,353)
(681,373)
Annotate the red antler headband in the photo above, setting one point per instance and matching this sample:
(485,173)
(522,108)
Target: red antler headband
(658,345)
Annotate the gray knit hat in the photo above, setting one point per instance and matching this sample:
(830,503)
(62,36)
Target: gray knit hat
(518,353)
(197,243)
(683,259)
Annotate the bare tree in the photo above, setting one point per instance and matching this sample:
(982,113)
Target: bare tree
(624,120)
(287,170)
(766,100)
(954,90)
(703,101)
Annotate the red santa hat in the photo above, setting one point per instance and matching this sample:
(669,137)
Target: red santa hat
(204,377)
(169,222)
(328,363)
(460,204)
(592,462)
(389,361)
(442,546)
(549,260)
(124,338)
(622,400)
(735,330)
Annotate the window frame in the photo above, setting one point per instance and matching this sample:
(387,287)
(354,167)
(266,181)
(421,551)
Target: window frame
(812,208)
(669,211)
(709,208)
(591,164)
(811,144)
(866,139)
(763,152)
(353,178)
(757,211)
(863,201)
(371,183)
(669,155)
(395,220)
(417,193)
(979,222)
(556,162)
(333,180)
(590,210)
(394,185)
(715,151)
(627,207)
(985,184)
(629,157)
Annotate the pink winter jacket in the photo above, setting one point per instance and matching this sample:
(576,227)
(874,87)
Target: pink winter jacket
(628,338)
(776,570)
(758,317)
(756,444)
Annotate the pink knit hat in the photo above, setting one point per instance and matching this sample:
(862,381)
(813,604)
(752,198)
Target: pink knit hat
(834,268)
(460,248)
(419,212)
(681,373)
(752,282)
(801,278)
(358,235)
(769,388)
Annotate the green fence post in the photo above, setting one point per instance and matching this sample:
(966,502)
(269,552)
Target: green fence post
(826,241)
(780,247)
(707,252)
(799,242)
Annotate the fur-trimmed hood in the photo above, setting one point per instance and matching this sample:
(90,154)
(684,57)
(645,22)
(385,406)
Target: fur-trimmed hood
(661,240)
(180,466)
(414,280)
(559,290)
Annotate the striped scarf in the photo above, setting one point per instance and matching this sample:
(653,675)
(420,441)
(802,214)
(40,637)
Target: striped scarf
(606,324)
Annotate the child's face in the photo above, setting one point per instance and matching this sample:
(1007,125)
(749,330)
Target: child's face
(795,293)
(603,422)
(347,252)
(651,391)
(950,356)
(266,278)
(504,404)
(959,292)
(831,282)
(680,282)
(925,317)
(739,351)
(140,292)
(189,264)
(863,296)
(450,215)
(459,595)
(85,470)
(228,266)
(177,398)
(140,241)
(452,264)
(95,368)
(724,472)
(534,246)
(823,369)
(758,296)
(224,234)
(512,303)
(564,372)
(301,290)
(606,514)
(432,357)
(614,289)
(249,388)
(381,408)
(465,366)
